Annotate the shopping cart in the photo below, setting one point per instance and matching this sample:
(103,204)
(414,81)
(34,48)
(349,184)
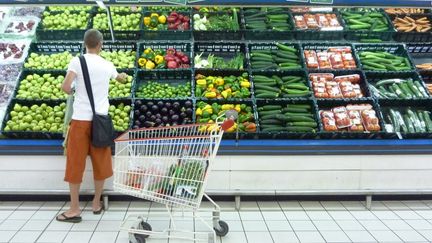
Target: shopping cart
(170,165)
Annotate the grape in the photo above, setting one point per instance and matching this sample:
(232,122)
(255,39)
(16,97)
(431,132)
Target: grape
(10,72)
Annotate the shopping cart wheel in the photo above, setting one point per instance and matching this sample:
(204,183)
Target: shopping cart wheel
(223,228)
(145,226)
(139,238)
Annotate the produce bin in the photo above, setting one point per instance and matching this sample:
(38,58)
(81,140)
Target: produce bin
(166,34)
(208,35)
(413,36)
(269,34)
(122,35)
(119,46)
(366,35)
(43,34)
(225,50)
(318,34)
(134,81)
(286,134)
(273,47)
(184,47)
(26,72)
(126,101)
(171,77)
(323,47)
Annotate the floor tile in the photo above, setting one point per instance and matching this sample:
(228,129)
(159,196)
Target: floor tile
(235,237)
(377,206)
(31,205)
(353,205)
(112,225)
(10,205)
(284,237)
(426,234)
(426,214)
(407,214)
(12,224)
(290,205)
(419,224)
(249,205)
(326,225)
(52,205)
(82,204)
(319,215)
(396,205)
(309,236)
(140,206)
(224,215)
(364,215)
(26,236)
(296,215)
(271,215)
(59,226)
(4,214)
(385,236)
(416,205)
(6,236)
(250,226)
(227,205)
(119,206)
(372,225)
(333,205)
(397,224)
(235,226)
(75,237)
(21,214)
(385,215)
(44,214)
(341,215)
(410,235)
(302,225)
(311,205)
(247,215)
(334,236)
(278,225)
(88,215)
(36,225)
(104,237)
(258,237)
(360,236)
(53,236)
(350,225)
(86,225)
(112,215)
(269,205)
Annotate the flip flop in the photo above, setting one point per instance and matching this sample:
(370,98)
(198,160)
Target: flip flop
(100,210)
(74,219)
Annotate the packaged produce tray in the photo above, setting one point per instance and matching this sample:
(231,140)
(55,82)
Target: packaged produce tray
(169,33)
(343,57)
(207,35)
(13,51)
(183,47)
(271,32)
(423,35)
(173,78)
(294,124)
(227,51)
(19,27)
(318,33)
(23,76)
(43,34)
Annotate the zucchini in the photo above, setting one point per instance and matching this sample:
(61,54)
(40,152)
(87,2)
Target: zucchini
(289,68)
(265,113)
(409,124)
(271,122)
(299,119)
(278,79)
(269,107)
(254,54)
(286,48)
(271,129)
(303,124)
(294,95)
(296,86)
(295,110)
(299,129)
(305,114)
(299,106)
(292,78)
(267,88)
(428,121)
(267,95)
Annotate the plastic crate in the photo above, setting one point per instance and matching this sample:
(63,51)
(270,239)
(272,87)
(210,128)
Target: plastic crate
(225,50)
(363,84)
(395,49)
(364,35)
(272,46)
(49,48)
(318,34)
(330,104)
(323,47)
(119,46)
(209,35)
(419,49)
(285,134)
(184,47)
(122,35)
(125,101)
(166,34)
(40,73)
(413,36)
(171,77)
(269,34)
(43,34)
(29,134)
(130,73)
(373,77)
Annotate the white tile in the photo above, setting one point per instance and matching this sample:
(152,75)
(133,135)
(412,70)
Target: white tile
(377,205)
(10,205)
(409,235)
(290,205)
(309,236)
(52,236)
(302,226)
(254,226)
(271,215)
(296,215)
(24,215)
(230,205)
(326,225)
(284,237)
(88,215)
(52,206)
(334,236)
(269,205)
(396,205)
(48,215)
(140,206)
(235,226)
(234,237)
(278,225)
(407,214)
(249,205)
(416,205)
(119,205)
(30,205)
(363,215)
(373,225)
(159,225)
(360,236)
(426,214)
(341,215)
(111,225)
(5,213)
(74,237)
(385,215)
(123,237)
(82,205)
(353,205)
(319,215)
(258,237)
(36,225)
(397,224)
(426,234)
(246,215)
(26,236)
(311,205)
(12,224)
(385,236)
(86,225)
(109,215)
(419,224)
(59,226)
(6,236)
(224,215)
(104,237)
(333,205)
(350,225)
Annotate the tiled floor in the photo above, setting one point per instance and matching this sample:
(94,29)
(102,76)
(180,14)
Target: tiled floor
(256,222)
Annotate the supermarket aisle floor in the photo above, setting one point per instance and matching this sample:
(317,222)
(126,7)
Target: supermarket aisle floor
(256,222)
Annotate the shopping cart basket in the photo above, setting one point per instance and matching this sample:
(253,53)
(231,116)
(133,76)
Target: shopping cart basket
(169,165)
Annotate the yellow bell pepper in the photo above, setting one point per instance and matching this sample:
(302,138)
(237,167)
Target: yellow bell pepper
(220,81)
(154,15)
(202,128)
(159,59)
(237,108)
(232,129)
(227,107)
(202,83)
(208,108)
(148,51)
(142,62)
(150,65)
(162,19)
(210,86)
(146,21)
(212,128)
(226,93)
(245,84)
(198,112)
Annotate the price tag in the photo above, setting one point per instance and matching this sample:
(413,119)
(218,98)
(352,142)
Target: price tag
(179,2)
(321,1)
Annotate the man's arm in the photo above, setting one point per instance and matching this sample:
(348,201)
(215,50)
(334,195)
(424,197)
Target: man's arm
(67,83)
(122,77)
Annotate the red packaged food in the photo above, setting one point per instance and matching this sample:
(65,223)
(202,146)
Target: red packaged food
(300,22)
(333,89)
(347,89)
(356,121)
(343,49)
(311,59)
(341,117)
(323,60)
(320,90)
(332,20)
(321,77)
(311,21)
(322,20)
(328,120)
(358,91)
(359,107)
(348,60)
(336,60)
(370,120)
(353,78)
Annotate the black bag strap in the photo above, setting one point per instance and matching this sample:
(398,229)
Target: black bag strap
(86,77)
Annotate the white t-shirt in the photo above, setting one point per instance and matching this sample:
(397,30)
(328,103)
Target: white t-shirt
(100,72)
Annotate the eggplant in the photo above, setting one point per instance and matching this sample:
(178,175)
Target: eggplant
(155,108)
(183,115)
(153,118)
(158,122)
(160,104)
(176,106)
(148,124)
(135,127)
(174,124)
(142,118)
(158,116)
(149,114)
(164,111)
(150,103)
(189,112)
(188,104)
(138,103)
(165,119)
(137,112)
(137,123)
(168,105)
(143,108)
(174,118)
(172,112)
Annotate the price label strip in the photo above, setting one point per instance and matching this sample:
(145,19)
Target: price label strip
(321,1)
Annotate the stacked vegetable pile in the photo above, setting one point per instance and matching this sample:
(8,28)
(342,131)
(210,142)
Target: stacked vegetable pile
(383,61)
(38,87)
(77,8)
(218,87)
(120,115)
(289,86)
(408,120)
(163,59)
(120,58)
(366,21)
(58,61)
(208,113)
(155,89)
(36,118)
(412,24)
(288,118)
(65,20)
(331,58)
(326,85)
(161,113)
(119,90)
(216,22)
(273,19)
(121,21)
(399,89)
(283,58)
(174,21)
(352,118)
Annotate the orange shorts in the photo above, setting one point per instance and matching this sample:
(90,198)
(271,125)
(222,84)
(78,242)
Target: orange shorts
(78,148)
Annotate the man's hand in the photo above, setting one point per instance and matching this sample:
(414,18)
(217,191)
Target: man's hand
(122,78)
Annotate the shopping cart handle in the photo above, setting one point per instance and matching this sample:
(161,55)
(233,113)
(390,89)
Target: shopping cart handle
(227,124)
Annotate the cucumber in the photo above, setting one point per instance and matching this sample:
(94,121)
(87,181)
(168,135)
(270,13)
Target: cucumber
(395,120)
(265,113)
(295,95)
(261,59)
(278,79)
(422,121)
(428,121)
(421,89)
(272,129)
(385,82)
(299,129)
(290,114)
(295,110)
(269,107)
(406,90)
(299,119)
(292,57)
(267,88)
(271,122)
(296,86)
(267,95)
(281,117)
(292,78)
(289,68)
(303,124)
(286,48)
(414,89)
(373,64)
(261,77)
(415,120)
(299,106)
(408,123)
(402,122)
(254,54)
